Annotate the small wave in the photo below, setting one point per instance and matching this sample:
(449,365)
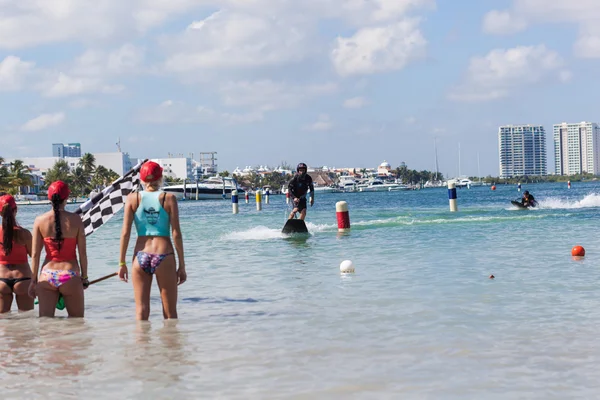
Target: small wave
(589,201)
(256,233)
(319,227)
(265,233)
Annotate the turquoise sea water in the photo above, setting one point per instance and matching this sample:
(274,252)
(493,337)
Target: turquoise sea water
(268,317)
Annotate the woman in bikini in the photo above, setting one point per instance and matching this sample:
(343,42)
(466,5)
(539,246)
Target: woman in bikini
(15,272)
(61,233)
(156,216)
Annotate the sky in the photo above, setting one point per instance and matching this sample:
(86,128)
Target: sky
(337,83)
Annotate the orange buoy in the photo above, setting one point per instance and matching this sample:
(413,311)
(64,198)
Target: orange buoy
(578,251)
(494,187)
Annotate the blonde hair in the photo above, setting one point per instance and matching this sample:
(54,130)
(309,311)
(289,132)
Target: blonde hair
(154,185)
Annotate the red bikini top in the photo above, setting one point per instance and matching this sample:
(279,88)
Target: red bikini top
(18,254)
(66,252)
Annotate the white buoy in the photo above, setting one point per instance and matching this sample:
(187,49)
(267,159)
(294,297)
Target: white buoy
(267,192)
(452,196)
(234,201)
(346,267)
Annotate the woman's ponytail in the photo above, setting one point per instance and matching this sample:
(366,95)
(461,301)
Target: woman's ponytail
(8,227)
(56,201)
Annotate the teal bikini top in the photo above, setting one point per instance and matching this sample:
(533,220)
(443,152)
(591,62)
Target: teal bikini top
(150,218)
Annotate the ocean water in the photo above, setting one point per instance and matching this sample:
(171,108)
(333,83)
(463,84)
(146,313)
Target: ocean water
(263,316)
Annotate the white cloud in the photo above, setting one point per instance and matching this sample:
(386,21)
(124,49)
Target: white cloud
(92,72)
(171,112)
(43,121)
(13,72)
(29,23)
(379,49)
(495,75)
(502,23)
(355,102)
(266,95)
(523,13)
(126,59)
(588,43)
(64,85)
(323,123)
(356,13)
(235,40)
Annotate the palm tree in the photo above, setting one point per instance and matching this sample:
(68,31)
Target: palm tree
(80,181)
(88,163)
(112,176)
(100,177)
(19,176)
(59,172)
(3,176)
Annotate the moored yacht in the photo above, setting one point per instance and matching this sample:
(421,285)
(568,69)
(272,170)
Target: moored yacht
(377,185)
(213,188)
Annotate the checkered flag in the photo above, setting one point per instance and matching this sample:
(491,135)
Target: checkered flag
(100,208)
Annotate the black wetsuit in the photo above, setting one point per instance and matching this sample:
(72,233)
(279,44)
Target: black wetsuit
(530,203)
(298,188)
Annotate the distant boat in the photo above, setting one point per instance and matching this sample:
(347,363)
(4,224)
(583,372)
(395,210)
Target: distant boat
(377,185)
(327,189)
(464,182)
(213,188)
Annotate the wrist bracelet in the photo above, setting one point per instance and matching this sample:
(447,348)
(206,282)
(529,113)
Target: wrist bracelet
(122,264)
(84,278)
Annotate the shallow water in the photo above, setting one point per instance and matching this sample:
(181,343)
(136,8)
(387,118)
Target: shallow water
(268,317)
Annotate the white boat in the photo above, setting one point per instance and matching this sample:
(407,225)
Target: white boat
(327,189)
(377,185)
(213,188)
(434,184)
(348,183)
(463,182)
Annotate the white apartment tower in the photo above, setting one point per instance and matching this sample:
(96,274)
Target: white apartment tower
(576,148)
(522,150)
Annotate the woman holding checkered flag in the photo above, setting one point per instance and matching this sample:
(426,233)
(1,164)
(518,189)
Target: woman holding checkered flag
(156,217)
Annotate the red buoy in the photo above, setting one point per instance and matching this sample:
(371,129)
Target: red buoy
(494,187)
(343,217)
(578,251)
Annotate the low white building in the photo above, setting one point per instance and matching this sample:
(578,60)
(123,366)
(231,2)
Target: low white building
(118,162)
(177,168)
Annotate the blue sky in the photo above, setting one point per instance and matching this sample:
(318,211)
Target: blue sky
(342,83)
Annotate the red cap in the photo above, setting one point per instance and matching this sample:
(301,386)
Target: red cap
(150,171)
(60,188)
(7,199)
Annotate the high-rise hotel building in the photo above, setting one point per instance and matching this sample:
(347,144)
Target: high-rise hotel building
(522,150)
(63,150)
(576,148)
